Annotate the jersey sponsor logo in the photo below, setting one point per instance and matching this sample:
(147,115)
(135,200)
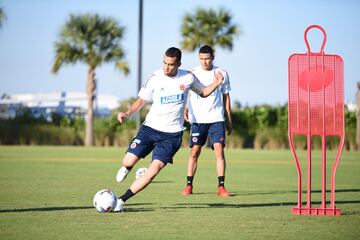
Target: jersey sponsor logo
(172,99)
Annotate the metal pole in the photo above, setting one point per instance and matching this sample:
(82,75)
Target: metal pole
(138,114)
(308,145)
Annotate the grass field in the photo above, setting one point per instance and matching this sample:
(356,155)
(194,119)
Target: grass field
(46,193)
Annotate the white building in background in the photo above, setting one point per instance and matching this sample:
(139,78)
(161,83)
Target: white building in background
(351,106)
(64,103)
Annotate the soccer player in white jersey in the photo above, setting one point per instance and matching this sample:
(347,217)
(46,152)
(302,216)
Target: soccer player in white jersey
(162,129)
(208,117)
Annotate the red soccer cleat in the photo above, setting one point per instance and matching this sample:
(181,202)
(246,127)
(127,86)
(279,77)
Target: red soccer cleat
(187,190)
(222,192)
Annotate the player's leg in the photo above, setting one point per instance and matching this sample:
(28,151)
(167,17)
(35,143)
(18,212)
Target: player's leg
(139,147)
(192,160)
(217,138)
(197,140)
(191,169)
(220,159)
(220,168)
(165,147)
(128,162)
(140,183)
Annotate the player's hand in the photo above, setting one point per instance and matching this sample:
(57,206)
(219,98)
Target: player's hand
(186,115)
(122,117)
(228,128)
(219,77)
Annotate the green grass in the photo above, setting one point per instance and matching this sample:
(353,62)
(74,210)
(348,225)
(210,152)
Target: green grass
(46,193)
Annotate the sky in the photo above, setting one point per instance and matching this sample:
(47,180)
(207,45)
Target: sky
(271,30)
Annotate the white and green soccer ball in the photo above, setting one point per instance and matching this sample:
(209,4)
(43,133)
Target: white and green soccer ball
(105,200)
(140,172)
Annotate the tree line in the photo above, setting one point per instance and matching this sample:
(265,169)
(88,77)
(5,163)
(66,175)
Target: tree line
(259,127)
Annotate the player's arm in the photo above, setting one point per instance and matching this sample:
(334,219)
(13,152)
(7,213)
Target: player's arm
(144,95)
(186,109)
(203,91)
(227,112)
(186,114)
(218,79)
(136,106)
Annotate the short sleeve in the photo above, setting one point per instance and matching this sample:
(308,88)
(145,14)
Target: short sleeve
(146,91)
(225,86)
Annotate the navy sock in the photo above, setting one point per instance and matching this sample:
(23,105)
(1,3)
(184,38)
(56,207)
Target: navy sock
(221,181)
(128,194)
(190,180)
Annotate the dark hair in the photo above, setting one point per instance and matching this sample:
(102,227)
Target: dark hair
(174,52)
(206,49)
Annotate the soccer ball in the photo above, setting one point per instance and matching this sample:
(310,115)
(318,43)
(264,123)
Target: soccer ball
(140,172)
(105,200)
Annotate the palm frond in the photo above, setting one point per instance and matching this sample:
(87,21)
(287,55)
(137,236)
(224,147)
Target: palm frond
(2,17)
(207,26)
(89,38)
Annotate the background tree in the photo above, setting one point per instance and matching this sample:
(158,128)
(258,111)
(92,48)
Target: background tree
(208,27)
(358,116)
(2,16)
(93,40)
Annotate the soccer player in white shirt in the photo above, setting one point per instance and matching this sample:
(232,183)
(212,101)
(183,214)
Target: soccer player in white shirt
(162,129)
(208,117)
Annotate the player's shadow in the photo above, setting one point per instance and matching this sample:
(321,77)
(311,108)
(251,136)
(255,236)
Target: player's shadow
(157,182)
(337,190)
(72,208)
(45,209)
(128,207)
(250,205)
(287,192)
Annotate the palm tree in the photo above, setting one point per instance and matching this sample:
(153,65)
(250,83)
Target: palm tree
(208,27)
(93,40)
(2,16)
(358,117)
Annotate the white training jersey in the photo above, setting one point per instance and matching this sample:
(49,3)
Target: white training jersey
(211,108)
(169,95)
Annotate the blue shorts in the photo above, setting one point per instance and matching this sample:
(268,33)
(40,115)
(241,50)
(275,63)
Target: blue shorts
(164,145)
(200,132)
